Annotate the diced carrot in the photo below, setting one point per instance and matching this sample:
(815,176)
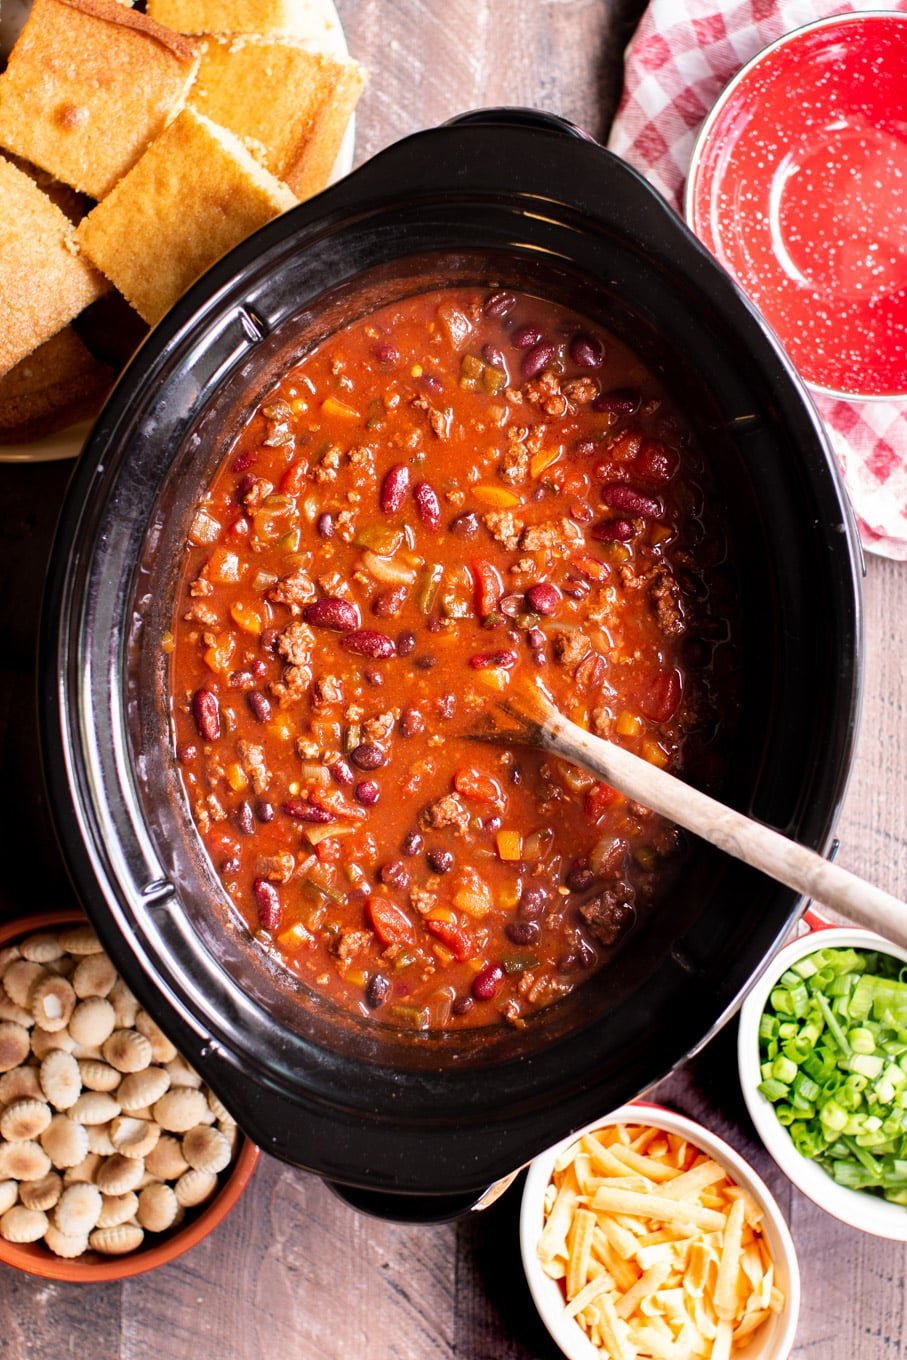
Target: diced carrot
(497,496)
(544,459)
(331,406)
(494,678)
(654,754)
(510,845)
(249,620)
(220,654)
(473,895)
(225,566)
(627,725)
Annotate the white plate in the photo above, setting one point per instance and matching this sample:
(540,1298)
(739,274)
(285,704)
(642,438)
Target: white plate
(323,32)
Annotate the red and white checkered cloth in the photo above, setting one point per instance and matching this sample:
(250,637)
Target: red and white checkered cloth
(680,59)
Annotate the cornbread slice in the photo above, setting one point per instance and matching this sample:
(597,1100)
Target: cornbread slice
(290,105)
(59,383)
(44,282)
(305,18)
(194,195)
(89,84)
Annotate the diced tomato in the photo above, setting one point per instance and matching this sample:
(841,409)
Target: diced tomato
(225,566)
(598,799)
(296,477)
(656,462)
(488,587)
(239,528)
(570,482)
(593,568)
(478,786)
(660,699)
(389,922)
(333,801)
(329,851)
(455,938)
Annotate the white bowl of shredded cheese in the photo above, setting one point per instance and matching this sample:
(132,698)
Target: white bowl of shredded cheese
(644,1235)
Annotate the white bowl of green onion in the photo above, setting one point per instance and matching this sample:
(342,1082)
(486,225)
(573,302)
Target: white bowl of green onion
(822,1052)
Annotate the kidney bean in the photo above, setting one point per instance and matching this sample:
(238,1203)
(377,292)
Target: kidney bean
(395,874)
(341,773)
(301,811)
(268,903)
(537,358)
(394,488)
(462,1005)
(259,668)
(332,612)
(499,304)
(620,401)
(367,792)
(373,677)
(543,598)
(242,462)
(586,351)
(612,531)
(245,818)
(481,661)
(377,991)
(487,981)
(259,705)
(228,867)
(579,878)
(186,752)
(269,639)
(389,603)
(493,823)
(619,496)
(366,642)
(412,843)
(511,606)
(525,337)
(206,712)
(368,756)
(523,932)
(386,354)
(535,637)
(427,504)
(411,722)
(324,525)
(440,861)
(240,680)
(406,643)
(465,526)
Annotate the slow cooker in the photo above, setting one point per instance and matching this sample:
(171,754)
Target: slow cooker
(525,201)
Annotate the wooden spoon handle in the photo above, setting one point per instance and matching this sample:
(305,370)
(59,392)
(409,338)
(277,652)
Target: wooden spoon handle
(747,840)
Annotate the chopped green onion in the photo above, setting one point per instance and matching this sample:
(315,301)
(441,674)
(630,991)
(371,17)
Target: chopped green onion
(833,1062)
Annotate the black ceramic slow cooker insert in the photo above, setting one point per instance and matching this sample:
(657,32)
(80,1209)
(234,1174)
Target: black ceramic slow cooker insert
(508,199)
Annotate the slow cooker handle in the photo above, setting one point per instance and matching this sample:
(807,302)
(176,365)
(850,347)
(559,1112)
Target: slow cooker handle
(516,116)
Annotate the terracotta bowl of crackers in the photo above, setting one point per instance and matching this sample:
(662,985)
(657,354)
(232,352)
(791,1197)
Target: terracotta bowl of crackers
(644,1235)
(115,1157)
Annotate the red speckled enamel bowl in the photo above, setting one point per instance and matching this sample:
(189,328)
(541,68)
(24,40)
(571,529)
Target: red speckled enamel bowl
(798,186)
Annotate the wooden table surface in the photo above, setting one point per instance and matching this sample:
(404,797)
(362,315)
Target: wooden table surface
(293,1272)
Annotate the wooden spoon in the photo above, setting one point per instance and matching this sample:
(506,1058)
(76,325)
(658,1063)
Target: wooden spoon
(539,723)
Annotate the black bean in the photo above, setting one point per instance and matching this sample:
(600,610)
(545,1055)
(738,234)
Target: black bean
(245,818)
(465,526)
(533,900)
(462,1005)
(579,878)
(523,932)
(406,643)
(395,874)
(264,810)
(377,991)
(440,861)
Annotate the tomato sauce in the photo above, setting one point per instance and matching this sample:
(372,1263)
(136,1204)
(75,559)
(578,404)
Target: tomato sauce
(466,491)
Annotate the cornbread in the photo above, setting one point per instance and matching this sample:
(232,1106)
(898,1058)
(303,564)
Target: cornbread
(59,383)
(297,129)
(195,193)
(305,18)
(89,84)
(44,282)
